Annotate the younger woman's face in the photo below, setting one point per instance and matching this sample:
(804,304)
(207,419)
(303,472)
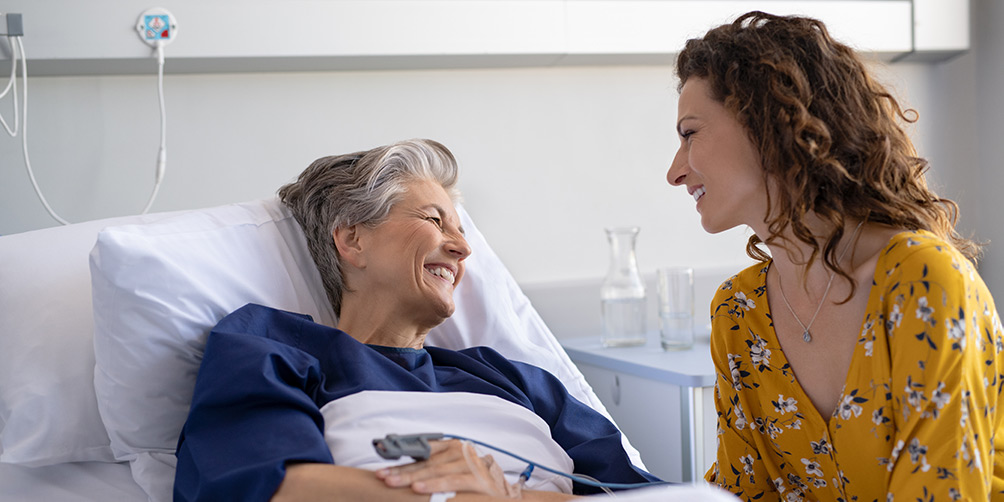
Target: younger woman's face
(717,162)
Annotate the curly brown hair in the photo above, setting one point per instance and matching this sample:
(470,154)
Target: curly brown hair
(829,136)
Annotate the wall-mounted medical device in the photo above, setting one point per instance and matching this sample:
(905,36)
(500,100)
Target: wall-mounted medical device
(156,27)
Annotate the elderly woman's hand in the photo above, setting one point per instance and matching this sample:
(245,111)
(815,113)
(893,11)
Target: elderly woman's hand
(454,466)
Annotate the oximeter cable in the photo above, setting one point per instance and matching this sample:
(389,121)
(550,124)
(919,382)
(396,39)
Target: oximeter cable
(582,479)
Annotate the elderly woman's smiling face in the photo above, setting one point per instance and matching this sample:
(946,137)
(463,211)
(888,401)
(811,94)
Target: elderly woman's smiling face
(415,258)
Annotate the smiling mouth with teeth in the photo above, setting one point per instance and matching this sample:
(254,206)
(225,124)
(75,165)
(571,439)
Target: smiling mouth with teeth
(698,193)
(443,272)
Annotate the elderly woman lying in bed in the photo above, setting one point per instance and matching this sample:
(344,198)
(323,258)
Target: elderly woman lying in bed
(284,407)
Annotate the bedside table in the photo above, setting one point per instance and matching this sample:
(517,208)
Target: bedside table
(663,401)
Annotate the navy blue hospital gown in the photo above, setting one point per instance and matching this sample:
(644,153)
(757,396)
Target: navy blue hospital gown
(266,374)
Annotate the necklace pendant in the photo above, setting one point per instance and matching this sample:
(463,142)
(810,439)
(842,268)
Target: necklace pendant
(806,337)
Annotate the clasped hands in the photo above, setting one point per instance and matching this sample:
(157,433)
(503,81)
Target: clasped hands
(453,466)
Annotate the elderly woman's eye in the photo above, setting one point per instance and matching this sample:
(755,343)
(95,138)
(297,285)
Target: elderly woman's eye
(436,220)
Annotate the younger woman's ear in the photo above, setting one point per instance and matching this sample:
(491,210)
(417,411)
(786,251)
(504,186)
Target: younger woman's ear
(347,241)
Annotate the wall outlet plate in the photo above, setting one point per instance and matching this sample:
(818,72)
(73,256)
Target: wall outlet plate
(157,26)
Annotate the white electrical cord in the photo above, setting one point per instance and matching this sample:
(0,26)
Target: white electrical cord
(17,46)
(162,152)
(11,83)
(16,41)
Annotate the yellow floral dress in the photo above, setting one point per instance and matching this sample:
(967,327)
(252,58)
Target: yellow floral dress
(917,419)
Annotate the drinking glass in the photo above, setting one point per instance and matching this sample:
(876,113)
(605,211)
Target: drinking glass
(675,287)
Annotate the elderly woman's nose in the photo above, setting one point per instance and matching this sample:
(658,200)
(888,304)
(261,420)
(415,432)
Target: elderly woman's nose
(459,247)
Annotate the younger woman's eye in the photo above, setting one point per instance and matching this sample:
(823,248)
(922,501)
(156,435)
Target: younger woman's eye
(686,134)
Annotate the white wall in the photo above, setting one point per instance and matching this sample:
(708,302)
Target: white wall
(549,155)
(987,63)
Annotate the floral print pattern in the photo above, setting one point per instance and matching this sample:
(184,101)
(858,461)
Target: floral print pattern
(917,418)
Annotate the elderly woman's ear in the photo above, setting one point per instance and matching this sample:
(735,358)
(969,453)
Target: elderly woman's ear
(347,241)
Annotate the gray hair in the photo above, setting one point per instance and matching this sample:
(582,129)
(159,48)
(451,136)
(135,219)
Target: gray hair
(360,188)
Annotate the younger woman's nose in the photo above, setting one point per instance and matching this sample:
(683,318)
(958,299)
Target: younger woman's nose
(677,173)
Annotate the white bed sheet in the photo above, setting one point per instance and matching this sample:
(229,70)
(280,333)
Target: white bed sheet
(69,482)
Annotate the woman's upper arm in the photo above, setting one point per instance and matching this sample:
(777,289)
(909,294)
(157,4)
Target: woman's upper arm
(944,338)
(738,466)
(250,415)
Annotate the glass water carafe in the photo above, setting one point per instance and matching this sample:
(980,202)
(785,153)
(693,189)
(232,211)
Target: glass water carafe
(622,295)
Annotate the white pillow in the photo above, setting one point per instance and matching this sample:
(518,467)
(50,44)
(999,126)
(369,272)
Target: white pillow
(48,412)
(158,290)
(493,311)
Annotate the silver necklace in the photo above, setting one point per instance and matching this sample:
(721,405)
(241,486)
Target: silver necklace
(806,335)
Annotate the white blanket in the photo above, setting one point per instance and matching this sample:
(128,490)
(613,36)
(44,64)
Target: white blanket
(351,423)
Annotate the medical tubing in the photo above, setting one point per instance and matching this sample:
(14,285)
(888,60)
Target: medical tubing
(17,45)
(13,68)
(12,83)
(24,134)
(162,151)
(585,480)
(605,489)
(525,475)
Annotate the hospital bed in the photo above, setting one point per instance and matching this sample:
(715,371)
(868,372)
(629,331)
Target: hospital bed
(103,323)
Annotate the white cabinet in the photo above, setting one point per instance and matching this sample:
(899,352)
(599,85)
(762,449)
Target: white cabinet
(69,38)
(663,402)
